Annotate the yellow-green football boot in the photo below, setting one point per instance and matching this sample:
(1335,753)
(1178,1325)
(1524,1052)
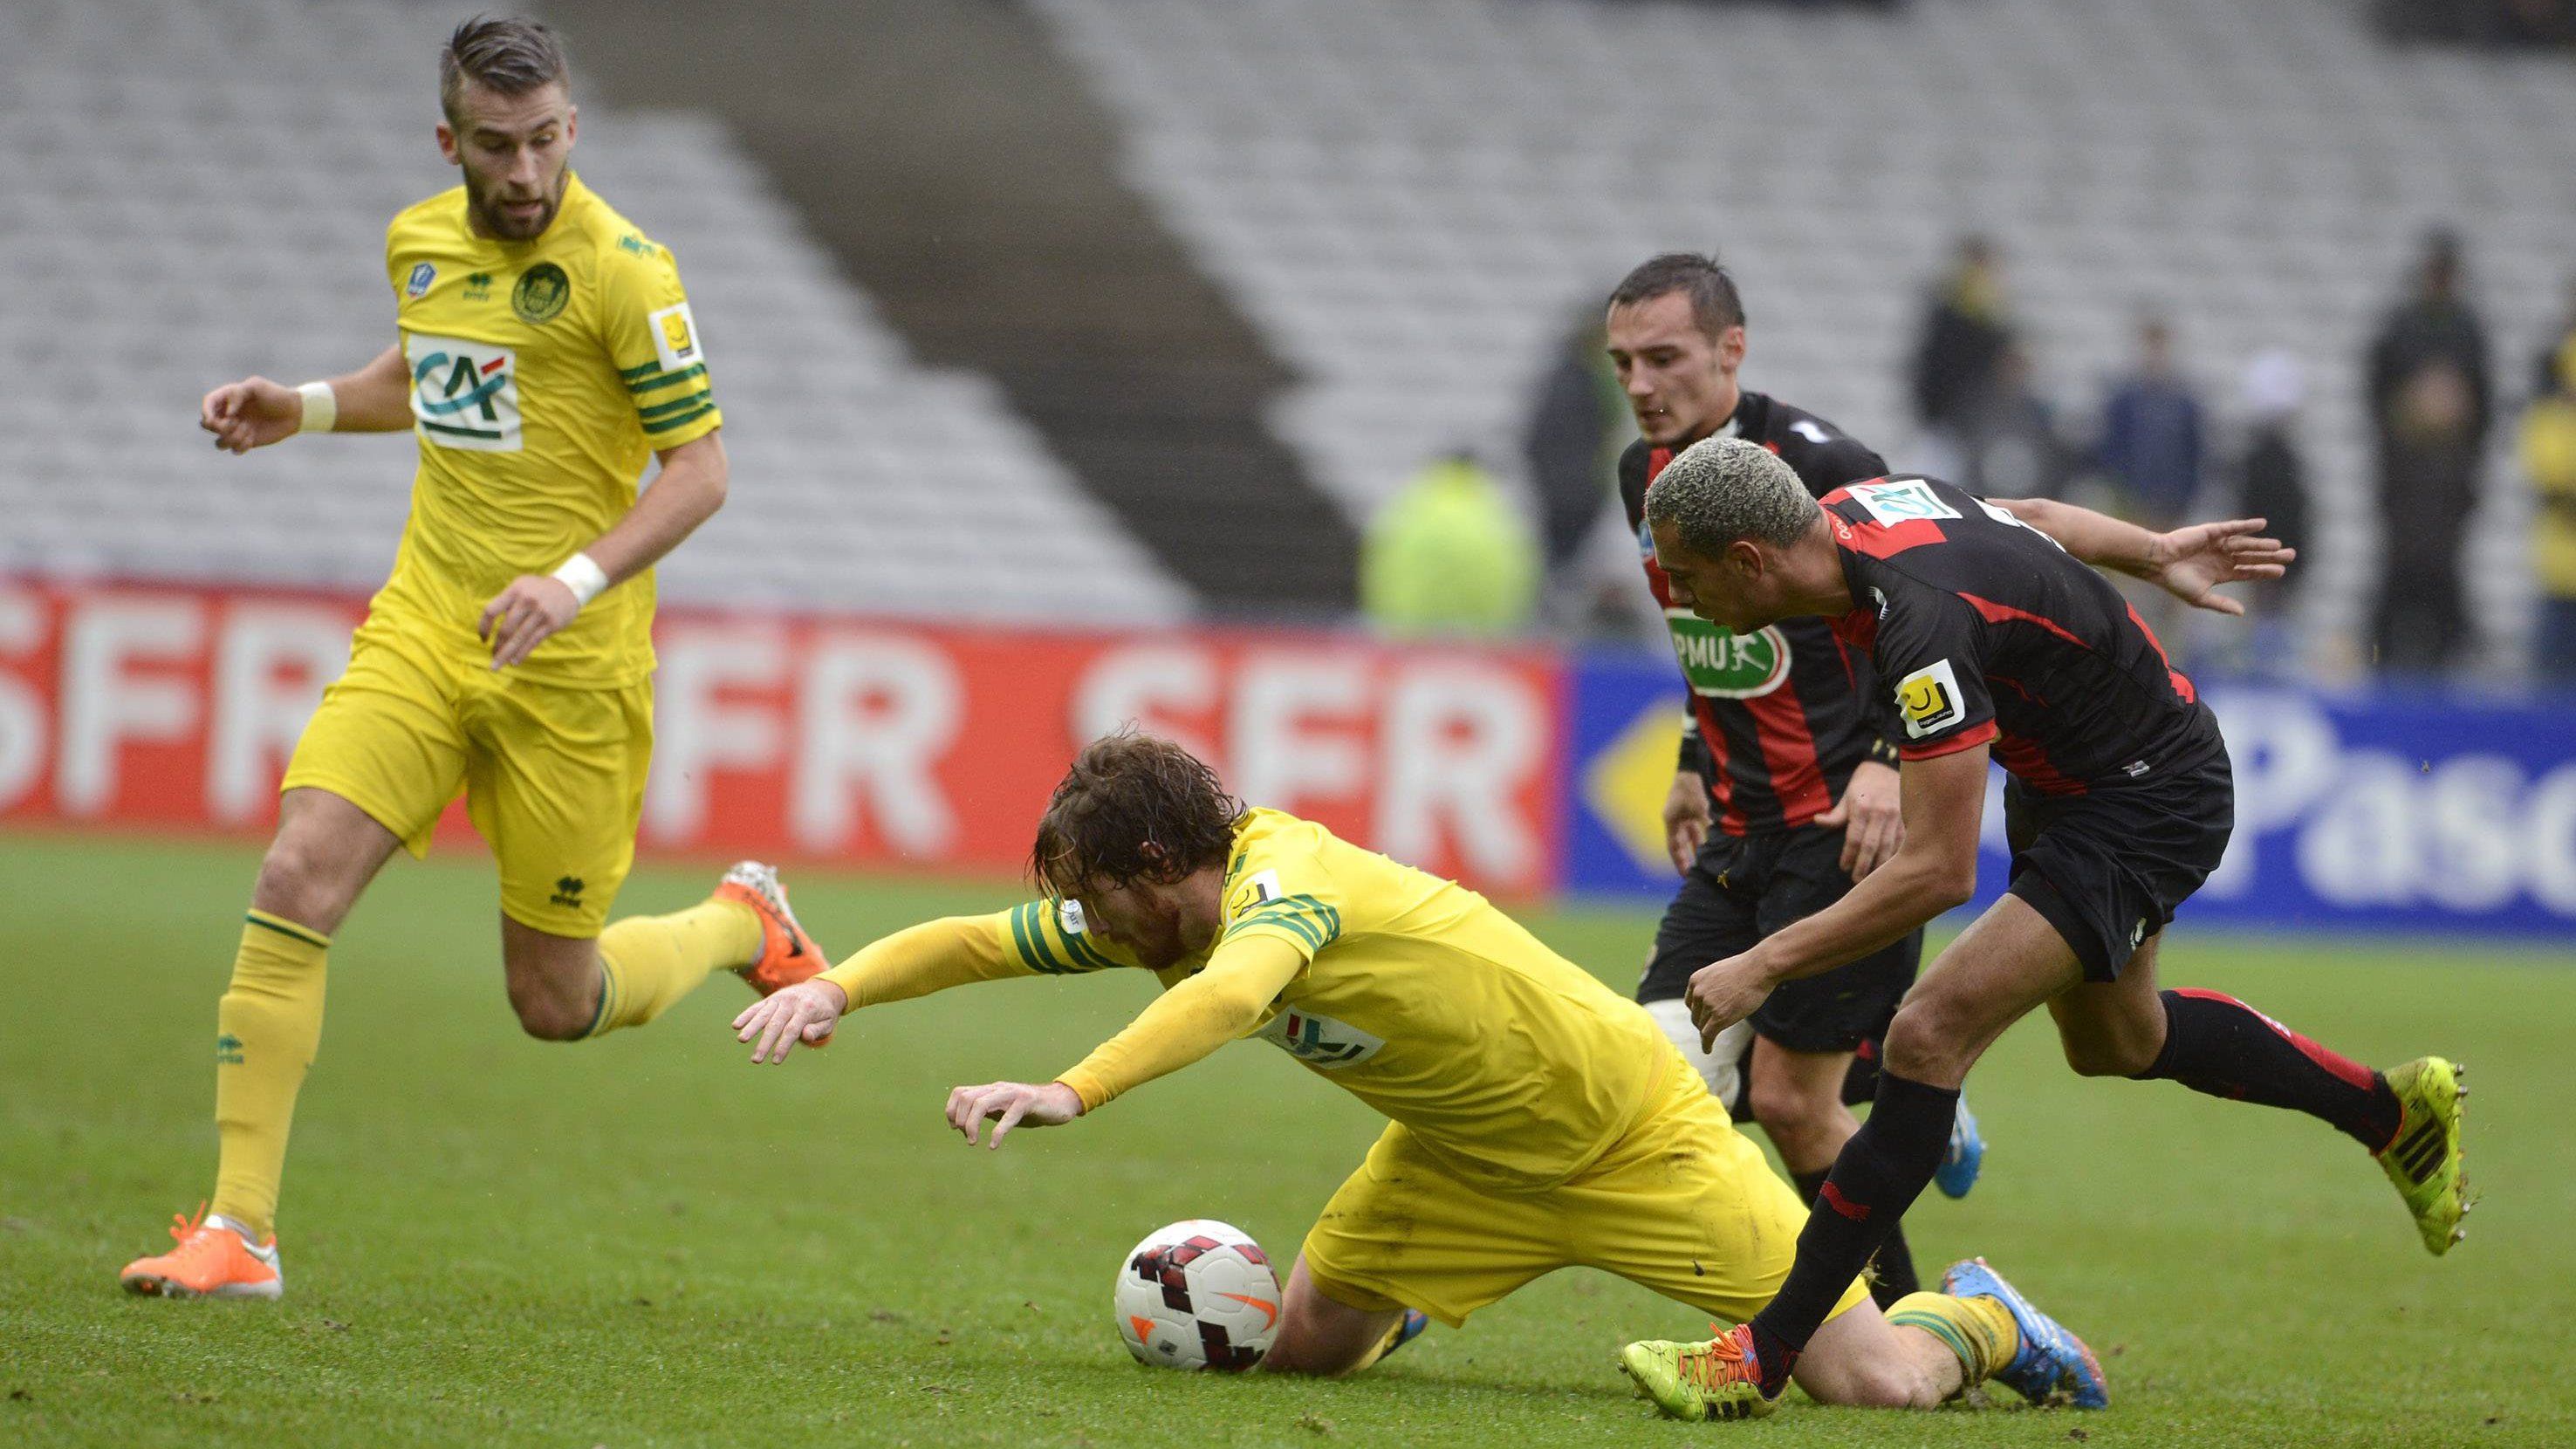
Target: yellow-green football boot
(2424,1159)
(1692,1382)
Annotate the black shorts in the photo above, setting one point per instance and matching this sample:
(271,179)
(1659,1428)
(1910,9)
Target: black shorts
(1743,888)
(2108,869)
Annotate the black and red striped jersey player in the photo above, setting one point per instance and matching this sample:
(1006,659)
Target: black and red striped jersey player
(1995,640)
(1786,791)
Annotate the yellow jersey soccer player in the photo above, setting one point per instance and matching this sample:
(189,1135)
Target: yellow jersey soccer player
(1539,1120)
(547,351)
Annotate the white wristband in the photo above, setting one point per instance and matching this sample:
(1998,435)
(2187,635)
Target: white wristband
(321,408)
(584,577)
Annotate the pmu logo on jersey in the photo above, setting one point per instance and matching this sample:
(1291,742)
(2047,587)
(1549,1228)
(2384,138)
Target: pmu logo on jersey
(1319,1041)
(1722,664)
(1906,502)
(1929,700)
(464,394)
(421,277)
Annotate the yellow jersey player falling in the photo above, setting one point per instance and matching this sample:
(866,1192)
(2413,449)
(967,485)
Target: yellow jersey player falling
(1538,1120)
(547,354)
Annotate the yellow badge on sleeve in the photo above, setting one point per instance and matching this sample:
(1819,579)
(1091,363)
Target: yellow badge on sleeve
(675,337)
(1929,700)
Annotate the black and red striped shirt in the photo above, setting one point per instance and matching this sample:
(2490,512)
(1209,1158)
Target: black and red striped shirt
(1988,631)
(1781,716)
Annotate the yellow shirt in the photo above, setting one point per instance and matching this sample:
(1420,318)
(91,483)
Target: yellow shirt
(1509,1063)
(545,374)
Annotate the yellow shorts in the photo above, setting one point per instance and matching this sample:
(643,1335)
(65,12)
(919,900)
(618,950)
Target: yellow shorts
(1683,1204)
(553,777)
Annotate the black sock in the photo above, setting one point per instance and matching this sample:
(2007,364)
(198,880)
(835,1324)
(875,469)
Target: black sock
(2217,1044)
(1875,1178)
(1860,1079)
(1892,1273)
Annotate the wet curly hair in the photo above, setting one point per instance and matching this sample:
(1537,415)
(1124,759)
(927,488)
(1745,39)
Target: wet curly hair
(1133,807)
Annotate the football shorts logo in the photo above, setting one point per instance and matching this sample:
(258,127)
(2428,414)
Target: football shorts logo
(541,294)
(1929,700)
(1722,664)
(1910,501)
(421,277)
(675,337)
(464,394)
(1319,1041)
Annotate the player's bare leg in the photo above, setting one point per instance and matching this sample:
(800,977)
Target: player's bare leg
(1326,1338)
(567,988)
(1860,1358)
(554,981)
(268,1026)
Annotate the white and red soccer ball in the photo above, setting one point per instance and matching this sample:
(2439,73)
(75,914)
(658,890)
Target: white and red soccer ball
(1197,1295)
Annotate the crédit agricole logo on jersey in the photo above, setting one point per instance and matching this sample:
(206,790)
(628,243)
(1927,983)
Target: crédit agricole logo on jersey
(464,394)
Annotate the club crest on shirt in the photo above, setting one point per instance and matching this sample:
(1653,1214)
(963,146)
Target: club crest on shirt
(541,294)
(1929,700)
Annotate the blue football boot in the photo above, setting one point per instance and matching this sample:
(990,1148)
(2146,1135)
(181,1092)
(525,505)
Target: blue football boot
(2052,1363)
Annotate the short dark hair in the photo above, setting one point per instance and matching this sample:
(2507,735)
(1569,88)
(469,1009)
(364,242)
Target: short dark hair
(512,56)
(1715,304)
(1128,791)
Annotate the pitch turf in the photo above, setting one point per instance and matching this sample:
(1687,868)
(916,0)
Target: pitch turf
(646,1241)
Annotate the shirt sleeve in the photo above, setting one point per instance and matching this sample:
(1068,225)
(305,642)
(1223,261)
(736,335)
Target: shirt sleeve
(1193,1019)
(653,339)
(1931,659)
(1027,940)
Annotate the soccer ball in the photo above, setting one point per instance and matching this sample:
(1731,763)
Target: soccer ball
(1197,1295)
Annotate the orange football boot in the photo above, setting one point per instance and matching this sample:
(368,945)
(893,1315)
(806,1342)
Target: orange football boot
(215,1259)
(787,954)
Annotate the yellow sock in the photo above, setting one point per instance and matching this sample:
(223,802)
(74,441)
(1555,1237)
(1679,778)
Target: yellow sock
(1979,1330)
(648,962)
(268,1026)
(1385,1345)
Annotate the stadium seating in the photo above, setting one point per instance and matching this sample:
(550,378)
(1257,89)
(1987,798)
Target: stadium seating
(1417,199)
(199,191)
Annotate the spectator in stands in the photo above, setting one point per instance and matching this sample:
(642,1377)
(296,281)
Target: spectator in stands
(2544,366)
(1577,425)
(1965,334)
(2272,484)
(1450,554)
(2008,441)
(2151,433)
(2549,460)
(2429,402)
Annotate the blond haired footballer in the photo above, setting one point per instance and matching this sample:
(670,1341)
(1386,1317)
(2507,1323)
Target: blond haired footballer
(1539,1120)
(546,352)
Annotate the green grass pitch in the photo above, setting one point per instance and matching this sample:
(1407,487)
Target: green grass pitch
(642,1241)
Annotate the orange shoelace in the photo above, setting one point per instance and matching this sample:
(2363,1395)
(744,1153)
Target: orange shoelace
(1720,1362)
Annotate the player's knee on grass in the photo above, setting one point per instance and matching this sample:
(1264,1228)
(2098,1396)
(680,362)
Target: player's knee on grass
(1860,1360)
(1319,1336)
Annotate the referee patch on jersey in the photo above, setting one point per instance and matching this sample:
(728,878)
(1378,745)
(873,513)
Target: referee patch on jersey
(1906,502)
(675,337)
(1929,700)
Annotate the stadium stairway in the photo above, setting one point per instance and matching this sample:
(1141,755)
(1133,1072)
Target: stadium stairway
(956,166)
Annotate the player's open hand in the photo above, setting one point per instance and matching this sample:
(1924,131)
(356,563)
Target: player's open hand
(251,413)
(805,1012)
(1686,818)
(1723,993)
(1872,816)
(2193,561)
(525,615)
(1011,1104)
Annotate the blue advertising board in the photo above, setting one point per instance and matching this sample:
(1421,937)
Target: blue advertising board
(2376,810)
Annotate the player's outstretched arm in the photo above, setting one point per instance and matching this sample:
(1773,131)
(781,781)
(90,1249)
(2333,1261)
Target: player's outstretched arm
(912,962)
(256,412)
(1934,869)
(2190,563)
(687,492)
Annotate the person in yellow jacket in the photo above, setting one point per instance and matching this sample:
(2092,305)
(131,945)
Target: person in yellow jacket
(1538,1119)
(1450,555)
(2549,460)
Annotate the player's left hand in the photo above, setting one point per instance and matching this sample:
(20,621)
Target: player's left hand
(525,615)
(1872,816)
(1011,1104)
(1723,993)
(2193,561)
